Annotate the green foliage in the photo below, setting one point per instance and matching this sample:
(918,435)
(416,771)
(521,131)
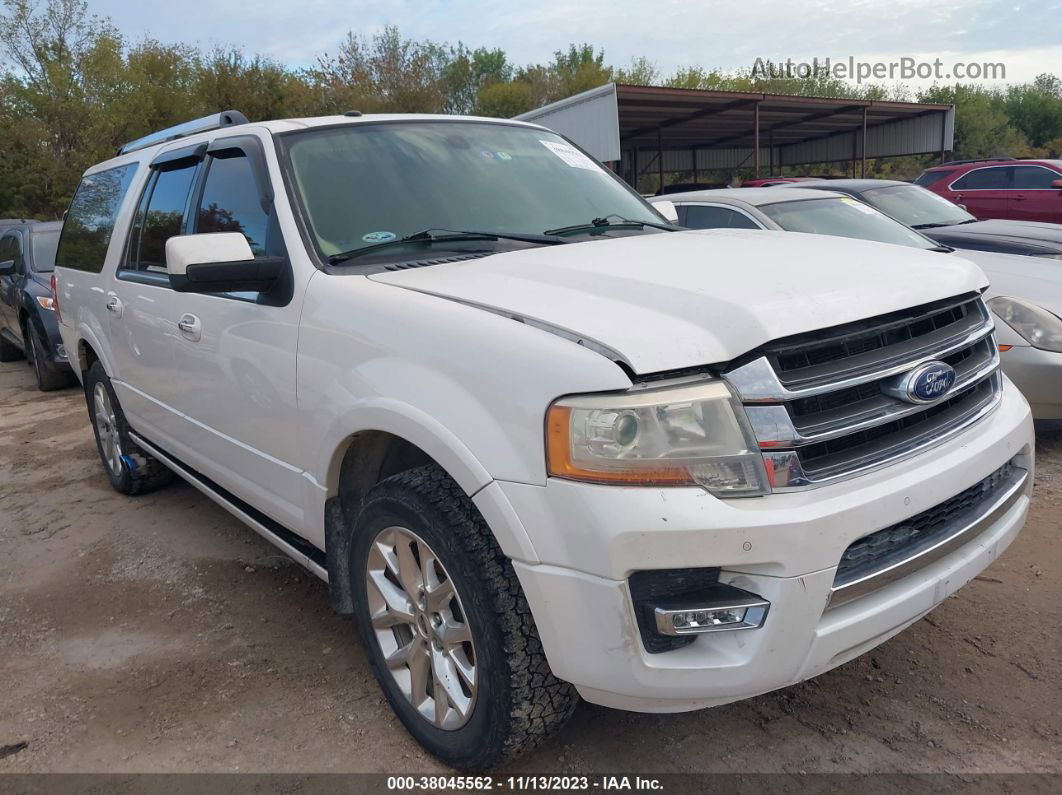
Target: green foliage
(73,89)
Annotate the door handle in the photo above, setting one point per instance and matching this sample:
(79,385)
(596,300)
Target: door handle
(190,326)
(1019,198)
(114,305)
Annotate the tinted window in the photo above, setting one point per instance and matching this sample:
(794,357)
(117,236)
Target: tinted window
(91,217)
(44,245)
(1034,178)
(927,178)
(699,217)
(843,218)
(231,203)
(160,217)
(983,179)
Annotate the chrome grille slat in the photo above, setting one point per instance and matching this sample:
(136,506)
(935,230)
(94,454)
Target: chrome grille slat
(774,429)
(814,431)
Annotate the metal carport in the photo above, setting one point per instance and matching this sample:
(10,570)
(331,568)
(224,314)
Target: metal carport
(646,129)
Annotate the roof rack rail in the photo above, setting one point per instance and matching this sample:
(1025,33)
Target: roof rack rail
(978,160)
(227,118)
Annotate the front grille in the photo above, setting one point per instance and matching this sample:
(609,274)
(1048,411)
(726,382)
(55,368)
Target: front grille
(819,404)
(879,558)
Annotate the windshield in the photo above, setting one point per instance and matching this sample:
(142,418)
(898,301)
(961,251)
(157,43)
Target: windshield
(916,206)
(843,217)
(44,245)
(364,184)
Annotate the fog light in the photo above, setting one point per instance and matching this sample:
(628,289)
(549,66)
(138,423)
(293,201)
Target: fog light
(730,609)
(60,351)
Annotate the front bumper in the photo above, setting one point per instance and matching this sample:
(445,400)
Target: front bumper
(786,547)
(1038,374)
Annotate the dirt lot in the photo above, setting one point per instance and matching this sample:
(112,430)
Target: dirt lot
(160,634)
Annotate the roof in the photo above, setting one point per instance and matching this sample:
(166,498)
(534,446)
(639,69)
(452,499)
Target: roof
(615,117)
(278,126)
(997,161)
(755,197)
(858,185)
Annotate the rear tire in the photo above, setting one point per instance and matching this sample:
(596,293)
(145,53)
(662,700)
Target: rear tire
(48,378)
(129,468)
(482,625)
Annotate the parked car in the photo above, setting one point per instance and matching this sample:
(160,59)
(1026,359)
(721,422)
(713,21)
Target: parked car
(947,223)
(1018,190)
(1025,292)
(766,182)
(682,187)
(28,327)
(537,441)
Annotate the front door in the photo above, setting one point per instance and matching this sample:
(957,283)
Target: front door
(235,352)
(10,250)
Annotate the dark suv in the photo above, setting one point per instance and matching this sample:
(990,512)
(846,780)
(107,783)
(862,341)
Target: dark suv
(28,325)
(1017,190)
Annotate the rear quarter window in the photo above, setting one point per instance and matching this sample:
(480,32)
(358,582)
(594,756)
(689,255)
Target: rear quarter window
(91,217)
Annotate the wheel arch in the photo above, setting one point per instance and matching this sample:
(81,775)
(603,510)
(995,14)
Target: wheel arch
(382,441)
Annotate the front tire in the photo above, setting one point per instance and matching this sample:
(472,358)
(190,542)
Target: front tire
(449,634)
(129,468)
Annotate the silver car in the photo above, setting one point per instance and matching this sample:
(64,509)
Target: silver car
(1026,292)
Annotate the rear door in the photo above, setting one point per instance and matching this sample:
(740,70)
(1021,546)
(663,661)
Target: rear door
(984,192)
(140,301)
(1032,198)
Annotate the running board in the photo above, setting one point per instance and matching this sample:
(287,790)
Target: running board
(285,540)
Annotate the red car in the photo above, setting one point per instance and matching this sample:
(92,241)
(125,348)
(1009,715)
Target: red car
(1017,190)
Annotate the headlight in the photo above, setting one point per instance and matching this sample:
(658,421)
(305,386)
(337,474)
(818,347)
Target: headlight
(1040,328)
(672,436)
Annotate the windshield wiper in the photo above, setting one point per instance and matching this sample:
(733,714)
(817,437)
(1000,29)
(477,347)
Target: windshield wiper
(428,236)
(604,223)
(927,226)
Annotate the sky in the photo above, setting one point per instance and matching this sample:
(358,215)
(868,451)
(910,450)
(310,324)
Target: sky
(1025,36)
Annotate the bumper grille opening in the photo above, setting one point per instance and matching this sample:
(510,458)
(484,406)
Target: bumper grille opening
(904,547)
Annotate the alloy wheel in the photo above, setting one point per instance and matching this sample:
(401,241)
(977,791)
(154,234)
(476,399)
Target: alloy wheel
(107,428)
(421,627)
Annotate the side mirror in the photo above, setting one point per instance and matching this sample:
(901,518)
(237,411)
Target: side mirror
(219,262)
(1056,184)
(667,209)
(7,267)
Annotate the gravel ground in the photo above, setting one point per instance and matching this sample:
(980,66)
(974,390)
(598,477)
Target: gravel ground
(158,634)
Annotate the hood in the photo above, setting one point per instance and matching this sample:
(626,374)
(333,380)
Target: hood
(1033,231)
(1036,280)
(684,299)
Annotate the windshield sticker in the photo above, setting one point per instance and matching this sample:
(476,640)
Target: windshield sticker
(378,237)
(863,208)
(486,154)
(504,156)
(570,155)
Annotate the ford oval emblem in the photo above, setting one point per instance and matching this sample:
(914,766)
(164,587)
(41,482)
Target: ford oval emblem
(926,383)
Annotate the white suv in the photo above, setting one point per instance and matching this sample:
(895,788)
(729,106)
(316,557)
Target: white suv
(536,440)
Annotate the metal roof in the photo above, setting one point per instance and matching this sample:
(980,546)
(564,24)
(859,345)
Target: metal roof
(719,129)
